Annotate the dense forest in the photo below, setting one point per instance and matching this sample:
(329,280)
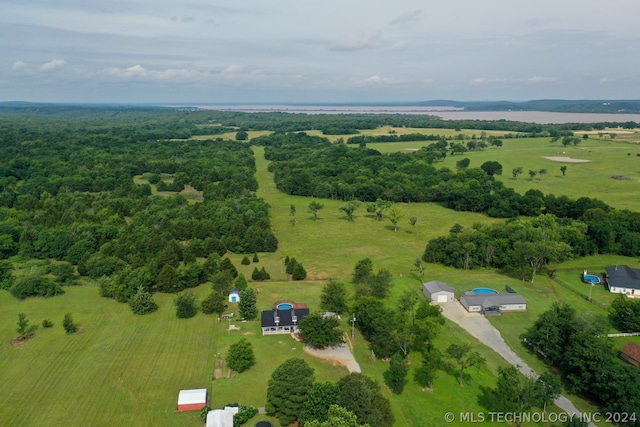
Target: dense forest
(81,192)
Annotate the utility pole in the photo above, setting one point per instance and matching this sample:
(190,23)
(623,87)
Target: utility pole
(353,324)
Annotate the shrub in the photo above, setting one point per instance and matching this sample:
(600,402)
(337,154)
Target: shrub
(35,285)
(47,323)
(245,261)
(142,302)
(186,305)
(299,273)
(255,258)
(68,324)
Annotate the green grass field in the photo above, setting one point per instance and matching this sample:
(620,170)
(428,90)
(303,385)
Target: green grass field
(127,370)
(593,179)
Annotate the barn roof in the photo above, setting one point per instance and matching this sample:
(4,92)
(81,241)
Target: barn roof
(632,351)
(189,397)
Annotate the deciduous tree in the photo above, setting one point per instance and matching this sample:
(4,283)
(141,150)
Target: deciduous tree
(288,388)
(240,356)
(333,297)
(465,358)
(319,331)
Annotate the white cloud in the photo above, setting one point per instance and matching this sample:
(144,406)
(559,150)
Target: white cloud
(139,73)
(19,66)
(484,80)
(540,79)
(53,65)
(375,80)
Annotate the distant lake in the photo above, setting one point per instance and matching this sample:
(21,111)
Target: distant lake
(447,113)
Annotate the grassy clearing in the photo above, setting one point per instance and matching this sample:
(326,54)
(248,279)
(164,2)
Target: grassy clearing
(606,159)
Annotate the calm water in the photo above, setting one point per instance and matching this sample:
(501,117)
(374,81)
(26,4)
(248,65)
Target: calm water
(447,113)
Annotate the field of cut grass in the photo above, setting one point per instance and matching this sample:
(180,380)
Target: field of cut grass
(607,158)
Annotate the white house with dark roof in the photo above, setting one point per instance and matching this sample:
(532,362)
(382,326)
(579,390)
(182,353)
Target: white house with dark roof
(438,292)
(623,280)
(282,321)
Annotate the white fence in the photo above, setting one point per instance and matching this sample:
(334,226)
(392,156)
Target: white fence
(626,334)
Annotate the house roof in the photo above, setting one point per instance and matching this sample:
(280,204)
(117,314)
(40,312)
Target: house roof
(632,351)
(234,291)
(622,276)
(268,316)
(221,417)
(436,286)
(492,300)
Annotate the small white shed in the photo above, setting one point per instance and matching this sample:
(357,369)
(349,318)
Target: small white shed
(438,292)
(234,295)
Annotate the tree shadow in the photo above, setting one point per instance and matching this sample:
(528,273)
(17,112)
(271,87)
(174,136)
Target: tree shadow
(488,399)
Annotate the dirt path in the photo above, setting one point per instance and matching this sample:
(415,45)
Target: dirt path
(478,326)
(339,354)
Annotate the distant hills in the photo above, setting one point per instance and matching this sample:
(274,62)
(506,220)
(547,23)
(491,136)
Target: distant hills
(550,105)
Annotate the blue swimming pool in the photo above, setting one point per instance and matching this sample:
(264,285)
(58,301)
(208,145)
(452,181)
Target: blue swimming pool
(590,278)
(284,306)
(484,291)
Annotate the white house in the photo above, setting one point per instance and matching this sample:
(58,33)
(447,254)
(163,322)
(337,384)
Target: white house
(234,295)
(623,280)
(438,292)
(493,303)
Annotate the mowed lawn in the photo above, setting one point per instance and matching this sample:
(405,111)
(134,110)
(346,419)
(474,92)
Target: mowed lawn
(592,179)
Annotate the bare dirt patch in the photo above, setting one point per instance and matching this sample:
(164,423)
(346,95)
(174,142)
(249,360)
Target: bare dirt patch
(620,178)
(566,159)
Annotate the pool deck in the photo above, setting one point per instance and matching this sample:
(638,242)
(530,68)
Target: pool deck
(294,305)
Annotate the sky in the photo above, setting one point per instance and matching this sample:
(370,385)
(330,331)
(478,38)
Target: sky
(307,51)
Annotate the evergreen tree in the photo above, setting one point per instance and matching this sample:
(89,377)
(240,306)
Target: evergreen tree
(299,273)
(226,264)
(245,261)
(68,324)
(142,302)
(186,305)
(396,376)
(241,283)
(255,258)
(168,280)
(264,275)
(247,304)
(291,265)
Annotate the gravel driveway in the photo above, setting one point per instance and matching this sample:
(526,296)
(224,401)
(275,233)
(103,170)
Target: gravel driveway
(478,326)
(339,353)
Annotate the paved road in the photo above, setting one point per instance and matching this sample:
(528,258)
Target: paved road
(478,326)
